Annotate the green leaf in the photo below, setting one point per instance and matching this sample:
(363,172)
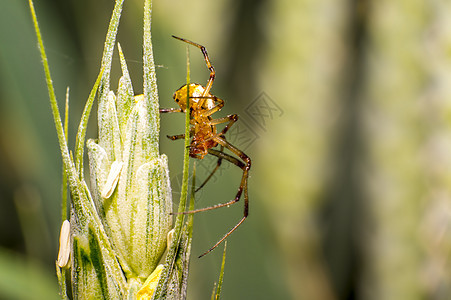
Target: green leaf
(150,85)
(81,134)
(216,294)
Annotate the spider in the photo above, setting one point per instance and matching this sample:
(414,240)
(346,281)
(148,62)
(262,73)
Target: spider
(205,135)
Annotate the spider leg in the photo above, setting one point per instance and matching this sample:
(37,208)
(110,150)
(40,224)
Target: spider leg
(217,107)
(176,137)
(243,188)
(245,165)
(222,155)
(230,118)
(218,164)
(207,61)
(170,110)
(226,235)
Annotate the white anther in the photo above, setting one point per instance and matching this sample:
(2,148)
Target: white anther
(112,180)
(170,236)
(64,251)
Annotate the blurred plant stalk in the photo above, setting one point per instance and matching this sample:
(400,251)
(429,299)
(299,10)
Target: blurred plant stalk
(297,150)
(119,229)
(407,117)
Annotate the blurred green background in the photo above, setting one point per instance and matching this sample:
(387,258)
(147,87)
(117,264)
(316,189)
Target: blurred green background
(345,109)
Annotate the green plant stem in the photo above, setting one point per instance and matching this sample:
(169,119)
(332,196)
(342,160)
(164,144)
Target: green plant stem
(51,90)
(160,292)
(81,134)
(61,273)
(184,191)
